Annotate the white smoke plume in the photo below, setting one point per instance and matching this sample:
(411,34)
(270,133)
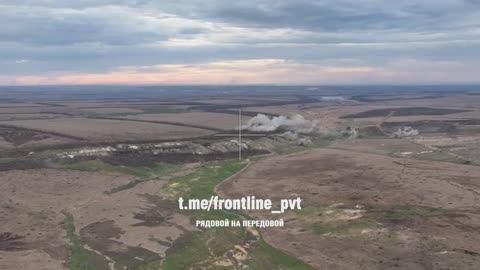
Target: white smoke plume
(350,133)
(304,141)
(297,123)
(332,98)
(290,135)
(295,137)
(405,132)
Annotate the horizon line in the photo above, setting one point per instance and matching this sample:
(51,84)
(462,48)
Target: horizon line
(256,84)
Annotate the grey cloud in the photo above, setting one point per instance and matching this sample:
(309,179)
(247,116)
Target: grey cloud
(43,27)
(100,59)
(330,15)
(103,35)
(74,4)
(192,30)
(305,15)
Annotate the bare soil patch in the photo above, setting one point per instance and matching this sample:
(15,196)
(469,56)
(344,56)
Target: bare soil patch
(404,111)
(213,120)
(26,116)
(111,110)
(110,130)
(381,146)
(19,137)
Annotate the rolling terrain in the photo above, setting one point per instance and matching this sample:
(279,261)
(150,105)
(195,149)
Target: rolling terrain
(389,177)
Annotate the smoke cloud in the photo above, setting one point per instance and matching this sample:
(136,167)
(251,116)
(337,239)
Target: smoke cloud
(297,123)
(405,132)
(295,137)
(350,133)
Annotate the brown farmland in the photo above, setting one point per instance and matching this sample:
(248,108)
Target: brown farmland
(371,211)
(110,130)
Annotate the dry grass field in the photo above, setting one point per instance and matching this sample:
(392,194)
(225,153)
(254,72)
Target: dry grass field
(110,130)
(365,211)
(90,181)
(28,116)
(38,204)
(111,110)
(213,120)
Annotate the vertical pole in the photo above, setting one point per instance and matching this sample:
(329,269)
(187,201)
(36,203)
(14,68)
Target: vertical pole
(239,134)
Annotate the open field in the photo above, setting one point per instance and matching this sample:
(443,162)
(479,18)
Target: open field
(32,204)
(212,120)
(13,137)
(111,223)
(405,111)
(72,206)
(385,146)
(33,110)
(371,211)
(446,100)
(28,116)
(19,105)
(389,177)
(112,110)
(109,130)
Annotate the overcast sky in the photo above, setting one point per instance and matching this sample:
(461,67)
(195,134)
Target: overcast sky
(239,42)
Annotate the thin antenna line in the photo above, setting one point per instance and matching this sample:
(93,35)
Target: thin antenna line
(239,134)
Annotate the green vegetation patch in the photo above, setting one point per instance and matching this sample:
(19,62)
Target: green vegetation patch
(126,186)
(201,183)
(81,259)
(206,249)
(202,249)
(96,165)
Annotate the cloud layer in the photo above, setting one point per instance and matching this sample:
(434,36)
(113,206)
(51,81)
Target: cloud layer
(262,41)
